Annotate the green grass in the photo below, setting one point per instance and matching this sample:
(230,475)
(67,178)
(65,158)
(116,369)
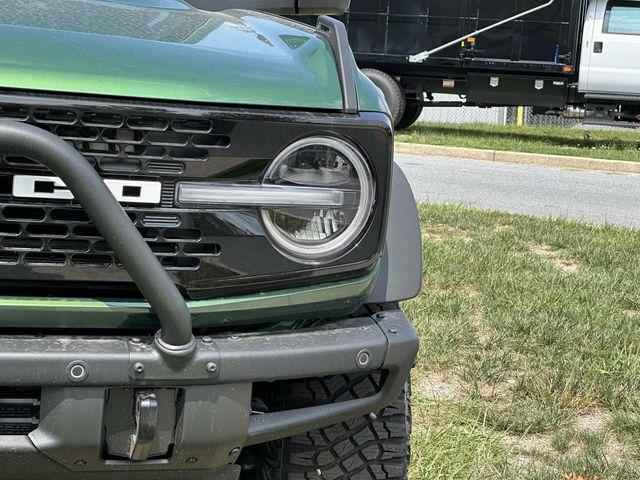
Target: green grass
(530,359)
(606,144)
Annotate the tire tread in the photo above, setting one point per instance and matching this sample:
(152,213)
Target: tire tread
(363,448)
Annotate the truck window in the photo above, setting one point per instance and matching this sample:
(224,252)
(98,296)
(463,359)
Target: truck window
(622,17)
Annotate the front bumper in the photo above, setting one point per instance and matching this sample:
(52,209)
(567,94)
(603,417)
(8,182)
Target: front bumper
(214,419)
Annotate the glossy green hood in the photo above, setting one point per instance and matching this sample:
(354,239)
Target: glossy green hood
(118,48)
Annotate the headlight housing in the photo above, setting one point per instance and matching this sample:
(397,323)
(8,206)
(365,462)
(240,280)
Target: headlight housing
(320,234)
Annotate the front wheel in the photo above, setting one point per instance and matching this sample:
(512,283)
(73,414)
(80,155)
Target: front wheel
(373,447)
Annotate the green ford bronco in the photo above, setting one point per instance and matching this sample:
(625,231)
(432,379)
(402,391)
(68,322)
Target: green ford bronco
(203,243)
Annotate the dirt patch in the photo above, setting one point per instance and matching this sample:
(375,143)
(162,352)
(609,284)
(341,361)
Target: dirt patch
(501,227)
(532,449)
(631,313)
(536,450)
(556,258)
(498,391)
(484,335)
(438,233)
(440,387)
(447,386)
(593,421)
(544,250)
(433,237)
(530,444)
(597,421)
(567,266)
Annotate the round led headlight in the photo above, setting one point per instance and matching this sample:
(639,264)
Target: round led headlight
(332,196)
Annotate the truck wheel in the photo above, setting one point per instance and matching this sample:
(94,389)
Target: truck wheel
(393,94)
(373,447)
(412,112)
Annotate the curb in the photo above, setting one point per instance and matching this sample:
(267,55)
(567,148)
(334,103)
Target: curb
(579,163)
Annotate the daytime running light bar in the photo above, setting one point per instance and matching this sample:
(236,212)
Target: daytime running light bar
(261,195)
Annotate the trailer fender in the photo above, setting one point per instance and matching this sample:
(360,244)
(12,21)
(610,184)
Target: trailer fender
(400,274)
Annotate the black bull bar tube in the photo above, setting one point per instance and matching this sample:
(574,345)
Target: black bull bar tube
(175,338)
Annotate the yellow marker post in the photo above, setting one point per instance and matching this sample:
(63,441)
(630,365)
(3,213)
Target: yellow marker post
(520,119)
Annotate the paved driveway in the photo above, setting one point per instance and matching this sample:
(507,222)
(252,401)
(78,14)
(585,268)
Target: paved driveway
(595,197)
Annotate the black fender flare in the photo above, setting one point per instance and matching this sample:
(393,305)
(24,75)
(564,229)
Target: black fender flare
(400,271)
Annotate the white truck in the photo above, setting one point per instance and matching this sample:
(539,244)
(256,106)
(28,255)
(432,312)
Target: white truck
(574,58)
(610,63)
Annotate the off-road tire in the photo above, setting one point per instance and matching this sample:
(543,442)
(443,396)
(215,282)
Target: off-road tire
(393,93)
(373,447)
(413,110)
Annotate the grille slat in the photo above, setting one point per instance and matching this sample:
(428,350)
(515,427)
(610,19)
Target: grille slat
(119,143)
(19,410)
(42,237)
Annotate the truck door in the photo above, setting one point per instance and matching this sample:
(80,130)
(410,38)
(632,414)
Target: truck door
(611,48)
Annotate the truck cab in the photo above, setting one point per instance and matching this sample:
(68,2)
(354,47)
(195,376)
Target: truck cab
(610,48)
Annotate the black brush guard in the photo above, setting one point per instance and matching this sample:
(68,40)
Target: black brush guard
(214,374)
(175,339)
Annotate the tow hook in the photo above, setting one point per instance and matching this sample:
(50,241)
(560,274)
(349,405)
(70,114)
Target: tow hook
(146,418)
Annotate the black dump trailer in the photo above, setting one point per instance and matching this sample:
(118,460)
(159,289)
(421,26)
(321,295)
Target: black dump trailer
(526,52)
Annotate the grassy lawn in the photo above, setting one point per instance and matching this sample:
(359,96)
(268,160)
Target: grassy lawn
(612,145)
(530,359)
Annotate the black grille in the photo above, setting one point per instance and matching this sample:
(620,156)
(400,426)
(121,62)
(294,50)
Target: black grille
(50,247)
(19,410)
(59,236)
(120,143)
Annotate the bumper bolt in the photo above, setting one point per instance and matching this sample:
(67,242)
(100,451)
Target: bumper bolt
(191,460)
(80,463)
(136,341)
(212,367)
(138,367)
(363,359)
(393,331)
(235,338)
(207,340)
(77,371)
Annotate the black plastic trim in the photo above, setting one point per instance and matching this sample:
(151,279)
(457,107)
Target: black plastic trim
(115,226)
(400,274)
(244,358)
(336,33)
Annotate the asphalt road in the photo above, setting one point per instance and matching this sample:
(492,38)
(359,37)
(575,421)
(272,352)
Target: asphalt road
(594,197)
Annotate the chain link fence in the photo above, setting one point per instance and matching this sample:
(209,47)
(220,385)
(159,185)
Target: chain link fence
(491,116)
(530,118)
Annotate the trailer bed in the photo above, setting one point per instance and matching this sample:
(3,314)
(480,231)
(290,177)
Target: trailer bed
(384,33)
